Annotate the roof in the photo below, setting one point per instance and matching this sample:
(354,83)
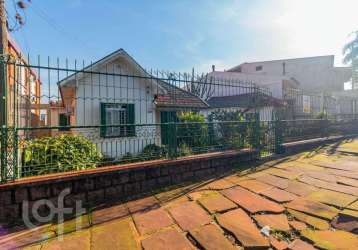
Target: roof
(172,96)
(249,100)
(176,97)
(257,79)
(328,57)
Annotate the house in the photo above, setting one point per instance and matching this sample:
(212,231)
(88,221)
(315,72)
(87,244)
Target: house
(24,89)
(249,103)
(104,99)
(52,114)
(312,73)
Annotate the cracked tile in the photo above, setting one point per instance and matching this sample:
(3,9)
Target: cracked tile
(251,201)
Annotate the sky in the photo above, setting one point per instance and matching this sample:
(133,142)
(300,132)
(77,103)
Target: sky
(182,34)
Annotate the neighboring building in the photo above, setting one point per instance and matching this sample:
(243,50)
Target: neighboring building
(235,83)
(308,104)
(312,73)
(124,93)
(52,114)
(246,103)
(24,87)
(348,102)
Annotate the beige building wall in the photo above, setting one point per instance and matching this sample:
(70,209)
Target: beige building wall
(313,73)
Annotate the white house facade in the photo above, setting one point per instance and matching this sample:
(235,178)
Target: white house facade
(119,106)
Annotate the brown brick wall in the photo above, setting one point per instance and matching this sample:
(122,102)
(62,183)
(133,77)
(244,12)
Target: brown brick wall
(94,187)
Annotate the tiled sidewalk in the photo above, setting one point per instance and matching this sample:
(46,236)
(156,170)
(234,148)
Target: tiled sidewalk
(308,201)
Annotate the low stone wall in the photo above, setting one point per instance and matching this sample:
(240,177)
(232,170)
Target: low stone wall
(300,146)
(93,187)
(107,184)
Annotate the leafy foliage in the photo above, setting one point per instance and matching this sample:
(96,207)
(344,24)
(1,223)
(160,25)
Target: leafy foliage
(321,115)
(231,128)
(59,154)
(184,150)
(350,50)
(152,152)
(192,130)
(200,86)
(225,115)
(129,158)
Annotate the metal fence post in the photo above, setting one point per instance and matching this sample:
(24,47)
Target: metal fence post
(257,132)
(172,140)
(278,128)
(4,154)
(15,154)
(3,119)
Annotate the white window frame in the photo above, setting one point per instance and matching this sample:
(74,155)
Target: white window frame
(116,116)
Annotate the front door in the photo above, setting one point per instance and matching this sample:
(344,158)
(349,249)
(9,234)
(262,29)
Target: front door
(165,118)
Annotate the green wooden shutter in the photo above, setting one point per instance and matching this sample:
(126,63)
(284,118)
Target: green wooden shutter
(131,119)
(64,121)
(103,130)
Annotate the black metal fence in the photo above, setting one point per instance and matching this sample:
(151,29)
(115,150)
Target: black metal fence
(303,105)
(65,117)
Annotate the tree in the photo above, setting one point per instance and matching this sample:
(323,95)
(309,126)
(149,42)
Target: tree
(201,86)
(350,50)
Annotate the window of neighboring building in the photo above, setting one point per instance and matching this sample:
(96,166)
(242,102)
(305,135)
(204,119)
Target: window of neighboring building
(258,68)
(63,121)
(43,117)
(116,114)
(32,83)
(21,80)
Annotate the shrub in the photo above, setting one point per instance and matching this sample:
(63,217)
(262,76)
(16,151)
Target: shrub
(193,131)
(129,158)
(184,150)
(231,130)
(59,154)
(321,115)
(153,151)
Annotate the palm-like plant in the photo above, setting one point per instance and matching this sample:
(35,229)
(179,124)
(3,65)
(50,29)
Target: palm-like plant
(350,50)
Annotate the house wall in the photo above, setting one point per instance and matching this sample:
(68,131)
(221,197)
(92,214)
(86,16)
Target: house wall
(94,89)
(313,73)
(23,91)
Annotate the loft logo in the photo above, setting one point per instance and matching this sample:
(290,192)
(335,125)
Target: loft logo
(60,211)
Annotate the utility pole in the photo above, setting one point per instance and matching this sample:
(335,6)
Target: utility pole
(3,75)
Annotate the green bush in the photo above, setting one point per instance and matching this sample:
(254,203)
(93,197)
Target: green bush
(231,130)
(129,158)
(193,131)
(184,150)
(149,152)
(59,154)
(321,115)
(152,152)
